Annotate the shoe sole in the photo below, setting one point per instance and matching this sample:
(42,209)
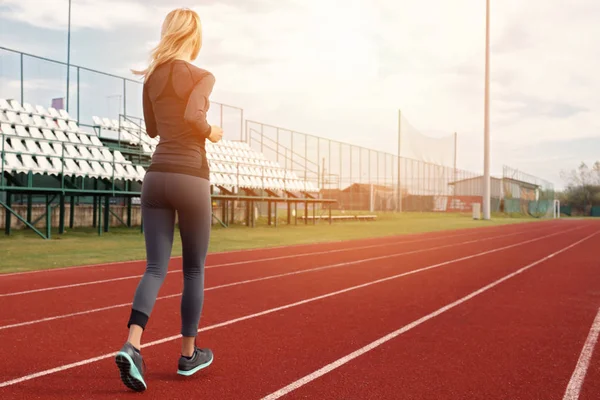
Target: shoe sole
(194,370)
(130,375)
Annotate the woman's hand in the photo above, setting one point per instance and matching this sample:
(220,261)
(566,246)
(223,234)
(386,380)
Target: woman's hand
(216,133)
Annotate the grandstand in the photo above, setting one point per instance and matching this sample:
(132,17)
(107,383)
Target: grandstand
(37,139)
(96,160)
(233,164)
(46,152)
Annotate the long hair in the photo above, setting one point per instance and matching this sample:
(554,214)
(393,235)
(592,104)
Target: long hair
(181,35)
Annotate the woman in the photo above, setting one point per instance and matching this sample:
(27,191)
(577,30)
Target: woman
(175,102)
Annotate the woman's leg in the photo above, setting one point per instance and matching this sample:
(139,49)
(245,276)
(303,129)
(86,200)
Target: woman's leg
(159,224)
(159,221)
(191,197)
(158,232)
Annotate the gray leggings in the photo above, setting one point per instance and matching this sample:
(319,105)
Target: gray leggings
(163,194)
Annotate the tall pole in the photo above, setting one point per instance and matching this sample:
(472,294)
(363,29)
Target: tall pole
(454,177)
(455,154)
(68,55)
(486,138)
(399,191)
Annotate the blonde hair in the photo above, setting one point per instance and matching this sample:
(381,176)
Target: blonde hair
(181,33)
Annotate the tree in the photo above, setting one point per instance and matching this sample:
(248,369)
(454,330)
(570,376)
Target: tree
(583,187)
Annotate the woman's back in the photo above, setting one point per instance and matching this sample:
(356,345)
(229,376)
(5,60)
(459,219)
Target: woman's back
(175,101)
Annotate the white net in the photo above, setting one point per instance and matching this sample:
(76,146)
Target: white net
(384,198)
(435,150)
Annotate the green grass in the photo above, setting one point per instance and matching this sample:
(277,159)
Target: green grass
(25,251)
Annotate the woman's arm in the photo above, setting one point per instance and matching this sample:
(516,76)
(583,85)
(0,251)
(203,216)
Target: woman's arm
(197,106)
(149,114)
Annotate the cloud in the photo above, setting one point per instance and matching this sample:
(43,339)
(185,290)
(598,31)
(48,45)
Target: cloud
(520,106)
(343,73)
(90,14)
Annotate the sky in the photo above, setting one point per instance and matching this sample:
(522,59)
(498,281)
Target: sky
(343,69)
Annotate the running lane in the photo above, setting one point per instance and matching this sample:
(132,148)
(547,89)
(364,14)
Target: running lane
(585,380)
(260,354)
(71,275)
(231,302)
(519,340)
(61,300)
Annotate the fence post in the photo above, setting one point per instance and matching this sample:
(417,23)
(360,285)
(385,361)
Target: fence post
(125,98)
(22,86)
(78,98)
(399,200)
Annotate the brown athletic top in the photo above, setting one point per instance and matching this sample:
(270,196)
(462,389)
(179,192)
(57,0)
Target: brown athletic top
(175,102)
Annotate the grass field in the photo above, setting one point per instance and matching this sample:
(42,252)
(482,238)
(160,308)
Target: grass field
(25,251)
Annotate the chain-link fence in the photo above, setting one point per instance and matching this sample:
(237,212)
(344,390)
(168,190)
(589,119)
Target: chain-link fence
(526,194)
(361,178)
(39,80)
(358,178)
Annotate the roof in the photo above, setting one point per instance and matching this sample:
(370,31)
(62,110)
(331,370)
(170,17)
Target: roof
(366,187)
(520,183)
(474,178)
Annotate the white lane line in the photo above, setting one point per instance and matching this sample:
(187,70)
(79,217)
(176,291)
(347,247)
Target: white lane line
(576,381)
(341,361)
(330,266)
(442,234)
(255,315)
(123,278)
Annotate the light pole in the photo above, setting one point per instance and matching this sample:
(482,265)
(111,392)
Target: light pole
(399,190)
(486,134)
(68,55)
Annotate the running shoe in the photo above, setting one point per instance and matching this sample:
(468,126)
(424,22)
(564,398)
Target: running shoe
(201,358)
(131,365)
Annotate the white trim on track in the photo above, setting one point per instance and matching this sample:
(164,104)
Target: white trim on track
(247,281)
(466,231)
(123,278)
(576,382)
(284,307)
(344,360)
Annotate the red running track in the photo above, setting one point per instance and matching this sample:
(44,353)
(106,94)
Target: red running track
(38,304)
(524,333)
(14,282)
(231,302)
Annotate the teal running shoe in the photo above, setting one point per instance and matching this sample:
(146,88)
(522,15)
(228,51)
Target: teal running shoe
(201,358)
(131,366)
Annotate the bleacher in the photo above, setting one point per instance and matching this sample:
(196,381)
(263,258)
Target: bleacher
(45,152)
(47,141)
(36,139)
(358,217)
(233,164)
(125,132)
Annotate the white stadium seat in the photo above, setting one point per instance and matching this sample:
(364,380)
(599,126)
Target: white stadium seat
(35,139)
(4,105)
(236,164)
(125,132)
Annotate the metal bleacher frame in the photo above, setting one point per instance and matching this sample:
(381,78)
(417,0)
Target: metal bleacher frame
(45,145)
(234,167)
(49,143)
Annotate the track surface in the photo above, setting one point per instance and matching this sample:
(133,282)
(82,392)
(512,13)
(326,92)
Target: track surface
(495,313)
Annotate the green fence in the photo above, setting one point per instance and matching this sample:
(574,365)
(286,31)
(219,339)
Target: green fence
(526,194)
(361,178)
(38,80)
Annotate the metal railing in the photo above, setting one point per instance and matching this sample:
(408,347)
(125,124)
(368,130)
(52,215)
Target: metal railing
(36,80)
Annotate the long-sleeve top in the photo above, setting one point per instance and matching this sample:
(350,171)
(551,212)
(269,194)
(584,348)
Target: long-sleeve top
(175,102)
